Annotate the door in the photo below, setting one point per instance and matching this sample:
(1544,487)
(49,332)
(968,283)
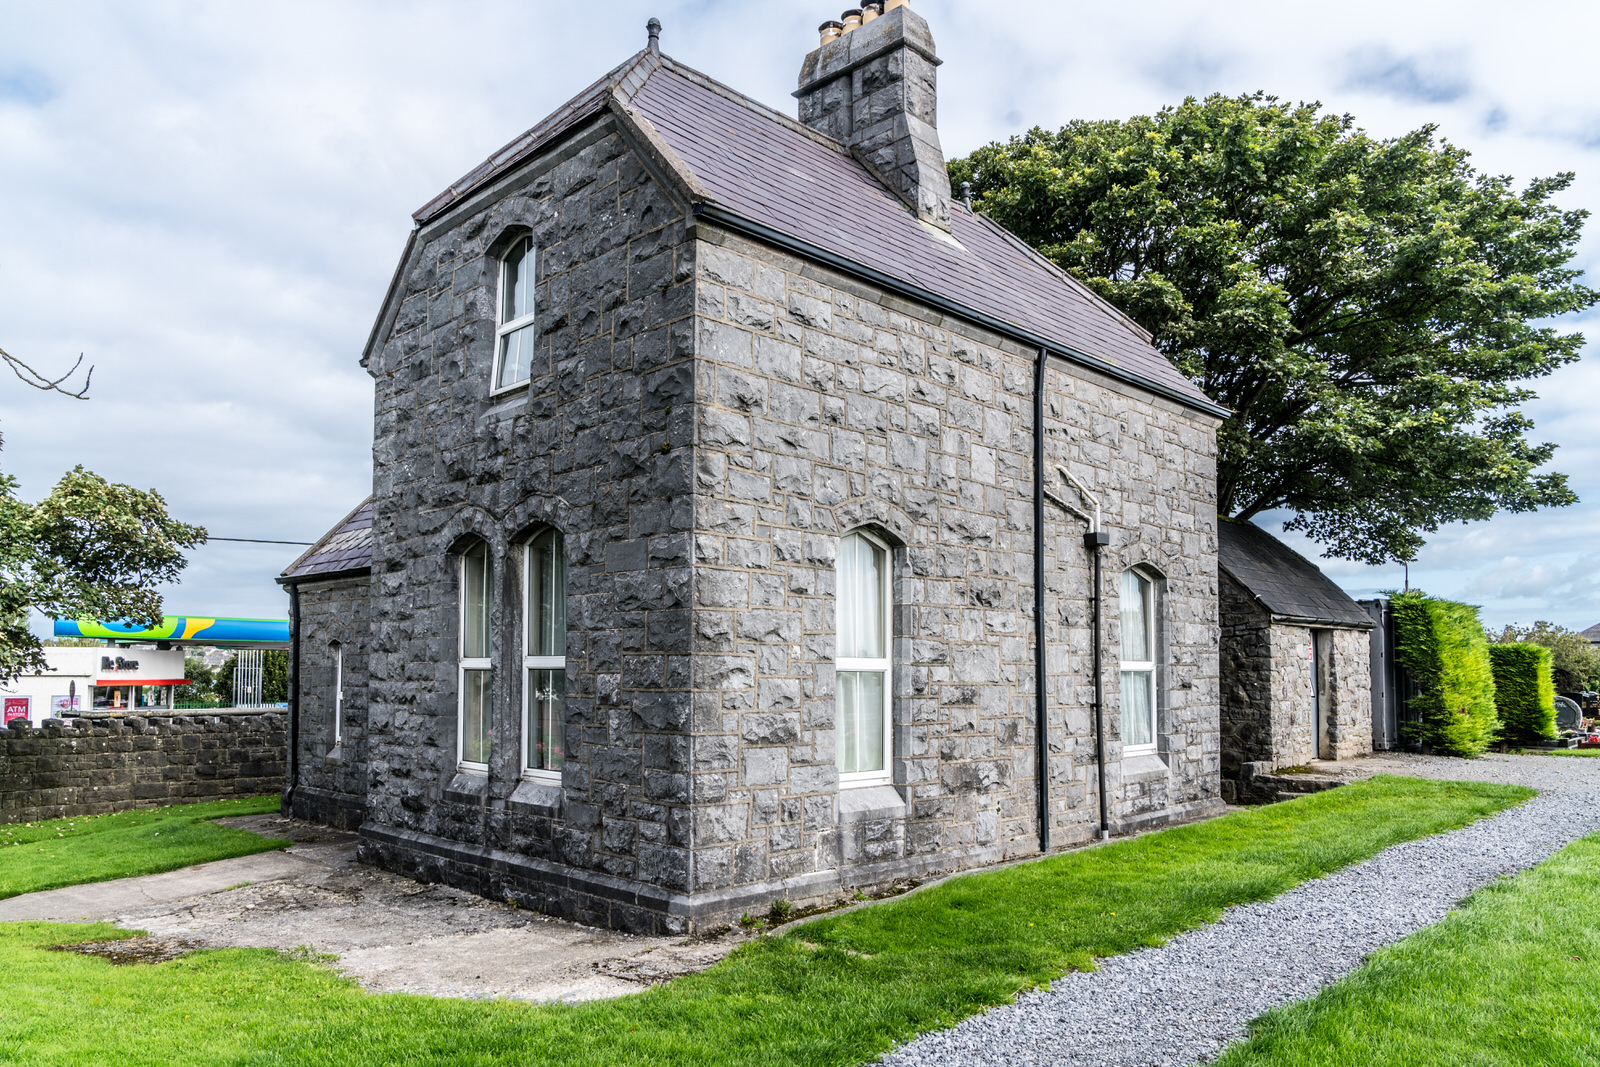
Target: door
(1322,691)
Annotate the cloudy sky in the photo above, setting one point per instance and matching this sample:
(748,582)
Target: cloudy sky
(207,200)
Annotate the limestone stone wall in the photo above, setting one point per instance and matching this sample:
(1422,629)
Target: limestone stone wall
(1246,656)
(1350,683)
(330,781)
(94,765)
(825,406)
(599,445)
(1293,717)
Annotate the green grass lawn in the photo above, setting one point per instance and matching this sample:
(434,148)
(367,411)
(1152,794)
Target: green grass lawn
(1509,979)
(839,990)
(1592,753)
(62,852)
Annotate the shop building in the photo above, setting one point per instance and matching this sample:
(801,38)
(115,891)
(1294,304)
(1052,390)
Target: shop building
(77,680)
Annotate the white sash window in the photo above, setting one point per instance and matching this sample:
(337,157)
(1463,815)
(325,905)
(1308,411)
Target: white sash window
(862,688)
(474,725)
(514,339)
(544,661)
(1138,664)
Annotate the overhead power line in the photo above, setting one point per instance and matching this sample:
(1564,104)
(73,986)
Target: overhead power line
(260,541)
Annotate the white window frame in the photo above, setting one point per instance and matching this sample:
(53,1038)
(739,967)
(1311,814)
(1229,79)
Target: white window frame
(850,779)
(476,663)
(338,692)
(1144,667)
(534,663)
(504,328)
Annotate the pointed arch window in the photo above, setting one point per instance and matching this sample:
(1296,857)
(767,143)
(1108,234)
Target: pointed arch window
(515,336)
(474,723)
(863,672)
(1138,676)
(544,688)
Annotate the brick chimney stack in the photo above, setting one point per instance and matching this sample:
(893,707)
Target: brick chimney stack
(873,87)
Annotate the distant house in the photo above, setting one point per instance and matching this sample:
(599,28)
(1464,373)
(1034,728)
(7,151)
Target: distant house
(1593,634)
(1296,668)
(718,548)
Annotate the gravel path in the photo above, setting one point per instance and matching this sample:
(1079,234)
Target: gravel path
(1190,998)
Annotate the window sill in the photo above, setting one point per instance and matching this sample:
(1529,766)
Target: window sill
(865,802)
(536,797)
(468,787)
(1143,766)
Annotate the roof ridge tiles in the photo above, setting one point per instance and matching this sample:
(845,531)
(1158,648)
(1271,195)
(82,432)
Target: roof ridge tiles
(705,81)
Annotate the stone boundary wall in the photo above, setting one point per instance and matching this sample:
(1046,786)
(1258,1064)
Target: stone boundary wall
(95,765)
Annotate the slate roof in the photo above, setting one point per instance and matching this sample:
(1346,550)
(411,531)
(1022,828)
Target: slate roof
(1593,634)
(735,155)
(1282,580)
(344,549)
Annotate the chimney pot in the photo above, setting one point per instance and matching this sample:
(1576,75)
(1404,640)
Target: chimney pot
(877,95)
(890,5)
(870,11)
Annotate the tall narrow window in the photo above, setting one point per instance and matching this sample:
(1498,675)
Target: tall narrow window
(338,692)
(544,689)
(1138,663)
(862,688)
(474,724)
(514,339)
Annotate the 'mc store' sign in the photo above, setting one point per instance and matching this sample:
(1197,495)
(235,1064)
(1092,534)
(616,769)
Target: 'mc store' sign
(77,680)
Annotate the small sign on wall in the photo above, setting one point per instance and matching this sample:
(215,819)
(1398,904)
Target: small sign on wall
(19,708)
(63,706)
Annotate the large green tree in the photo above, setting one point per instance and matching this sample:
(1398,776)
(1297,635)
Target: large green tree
(90,549)
(1370,309)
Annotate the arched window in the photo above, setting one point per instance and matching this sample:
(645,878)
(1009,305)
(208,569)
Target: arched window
(1138,663)
(544,656)
(474,724)
(863,671)
(515,336)
(338,690)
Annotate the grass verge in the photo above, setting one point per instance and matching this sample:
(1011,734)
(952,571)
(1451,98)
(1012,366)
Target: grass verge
(1592,753)
(96,848)
(1506,980)
(839,990)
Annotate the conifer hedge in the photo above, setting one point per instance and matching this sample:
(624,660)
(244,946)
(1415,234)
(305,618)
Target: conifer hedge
(1524,691)
(1442,645)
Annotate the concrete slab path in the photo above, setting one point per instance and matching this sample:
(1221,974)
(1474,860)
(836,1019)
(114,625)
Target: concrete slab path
(389,933)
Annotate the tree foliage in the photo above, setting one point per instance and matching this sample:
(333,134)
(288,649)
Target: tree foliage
(1575,660)
(1441,645)
(1524,692)
(91,549)
(1368,308)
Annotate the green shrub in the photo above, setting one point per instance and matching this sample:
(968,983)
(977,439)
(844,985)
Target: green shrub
(1524,691)
(1441,644)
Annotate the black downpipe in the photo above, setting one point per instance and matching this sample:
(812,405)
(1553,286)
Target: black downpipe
(294,701)
(1094,541)
(1041,680)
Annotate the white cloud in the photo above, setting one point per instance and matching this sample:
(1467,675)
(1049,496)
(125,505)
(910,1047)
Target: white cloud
(208,199)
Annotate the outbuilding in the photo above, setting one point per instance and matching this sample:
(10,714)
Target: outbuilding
(1296,658)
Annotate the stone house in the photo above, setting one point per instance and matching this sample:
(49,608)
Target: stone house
(1296,658)
(724,468)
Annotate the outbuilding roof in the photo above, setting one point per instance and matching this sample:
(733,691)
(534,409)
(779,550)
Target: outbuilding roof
(1593,634)
(1283,581)
(345,549)
(744,165)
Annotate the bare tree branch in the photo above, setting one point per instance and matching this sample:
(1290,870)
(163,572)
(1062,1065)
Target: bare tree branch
(28,376)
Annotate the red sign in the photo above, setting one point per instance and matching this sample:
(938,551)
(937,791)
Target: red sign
(18,708)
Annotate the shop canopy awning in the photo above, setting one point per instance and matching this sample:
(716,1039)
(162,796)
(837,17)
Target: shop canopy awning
(185,630)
